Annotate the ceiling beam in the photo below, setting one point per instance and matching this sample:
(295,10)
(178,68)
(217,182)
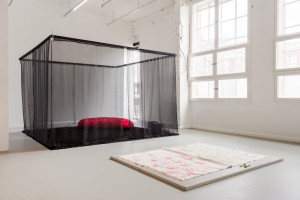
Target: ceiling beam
(133,11)
(10,2)
(105,3)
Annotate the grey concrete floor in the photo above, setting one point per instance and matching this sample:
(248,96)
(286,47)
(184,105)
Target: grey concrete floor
(31,172)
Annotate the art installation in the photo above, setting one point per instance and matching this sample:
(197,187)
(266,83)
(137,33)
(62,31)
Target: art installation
(190,166)
(77,93)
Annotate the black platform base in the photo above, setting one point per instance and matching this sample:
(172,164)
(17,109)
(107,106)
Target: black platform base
(70,137)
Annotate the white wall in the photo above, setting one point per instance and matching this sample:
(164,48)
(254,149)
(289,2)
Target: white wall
(157,31)
(261,116)
(160,31)
(3,76)
(32,21)
(183,45)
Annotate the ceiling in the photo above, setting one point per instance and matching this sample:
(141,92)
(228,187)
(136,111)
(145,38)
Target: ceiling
(118,7)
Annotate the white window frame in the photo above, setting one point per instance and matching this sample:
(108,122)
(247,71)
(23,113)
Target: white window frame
(282,72)
(218,49)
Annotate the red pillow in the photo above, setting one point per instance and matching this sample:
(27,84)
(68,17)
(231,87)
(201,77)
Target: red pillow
(105,122)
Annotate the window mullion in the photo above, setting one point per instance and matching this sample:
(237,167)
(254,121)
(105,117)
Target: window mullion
(235,23)
(216,47)
(216,24)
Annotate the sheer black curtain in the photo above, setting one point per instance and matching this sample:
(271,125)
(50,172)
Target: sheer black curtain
(35,83)
(66,80)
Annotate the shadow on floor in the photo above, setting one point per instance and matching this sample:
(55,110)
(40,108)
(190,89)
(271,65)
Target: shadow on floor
(19,142)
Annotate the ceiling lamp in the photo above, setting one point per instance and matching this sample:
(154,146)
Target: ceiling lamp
(76,7)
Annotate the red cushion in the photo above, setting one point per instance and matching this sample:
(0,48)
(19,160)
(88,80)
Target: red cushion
(105,122)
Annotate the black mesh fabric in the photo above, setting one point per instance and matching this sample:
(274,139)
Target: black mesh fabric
(65,80)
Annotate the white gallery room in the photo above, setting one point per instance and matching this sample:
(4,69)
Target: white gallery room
(149,99)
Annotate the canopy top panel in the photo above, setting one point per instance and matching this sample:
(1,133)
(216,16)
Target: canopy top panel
(65,50)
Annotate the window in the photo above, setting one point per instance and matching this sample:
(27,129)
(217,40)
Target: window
(218,53)
(233,88)
(289,86)
(203,89)
(132,77)
(288,19)
(233,20)
(287,68)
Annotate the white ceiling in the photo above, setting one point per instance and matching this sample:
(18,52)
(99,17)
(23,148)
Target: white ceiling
(118,7)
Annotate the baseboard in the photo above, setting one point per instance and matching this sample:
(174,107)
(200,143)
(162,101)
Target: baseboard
(19,128)
(214,129)
(184,127)
(250,134)
(4,148)
(14,129)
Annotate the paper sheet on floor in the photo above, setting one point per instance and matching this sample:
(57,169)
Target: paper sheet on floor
(190,161)
(226,156)
(178,166)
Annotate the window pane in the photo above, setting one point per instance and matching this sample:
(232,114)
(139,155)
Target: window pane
(233,88)
(289,86)
(242,8)
(288,16)
(227,33)
(203,89)
(230,62)
(227,9)
(201,66)
(203,18)
(242,29)
(203,26)
(233,22)
(288,54)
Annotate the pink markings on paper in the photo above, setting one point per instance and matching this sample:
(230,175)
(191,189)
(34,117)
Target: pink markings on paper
(155,165)
(190,174)
(170,172)
(170,168)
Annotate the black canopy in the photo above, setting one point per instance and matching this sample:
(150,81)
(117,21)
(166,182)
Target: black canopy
(77,92)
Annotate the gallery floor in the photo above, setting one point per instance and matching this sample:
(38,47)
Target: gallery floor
(31,172)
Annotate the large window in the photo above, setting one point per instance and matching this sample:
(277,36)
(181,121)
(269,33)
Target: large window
(218,66)
(287,68)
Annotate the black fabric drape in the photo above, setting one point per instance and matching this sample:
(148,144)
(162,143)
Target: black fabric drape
(35,85)
(159,92)
(66,80)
